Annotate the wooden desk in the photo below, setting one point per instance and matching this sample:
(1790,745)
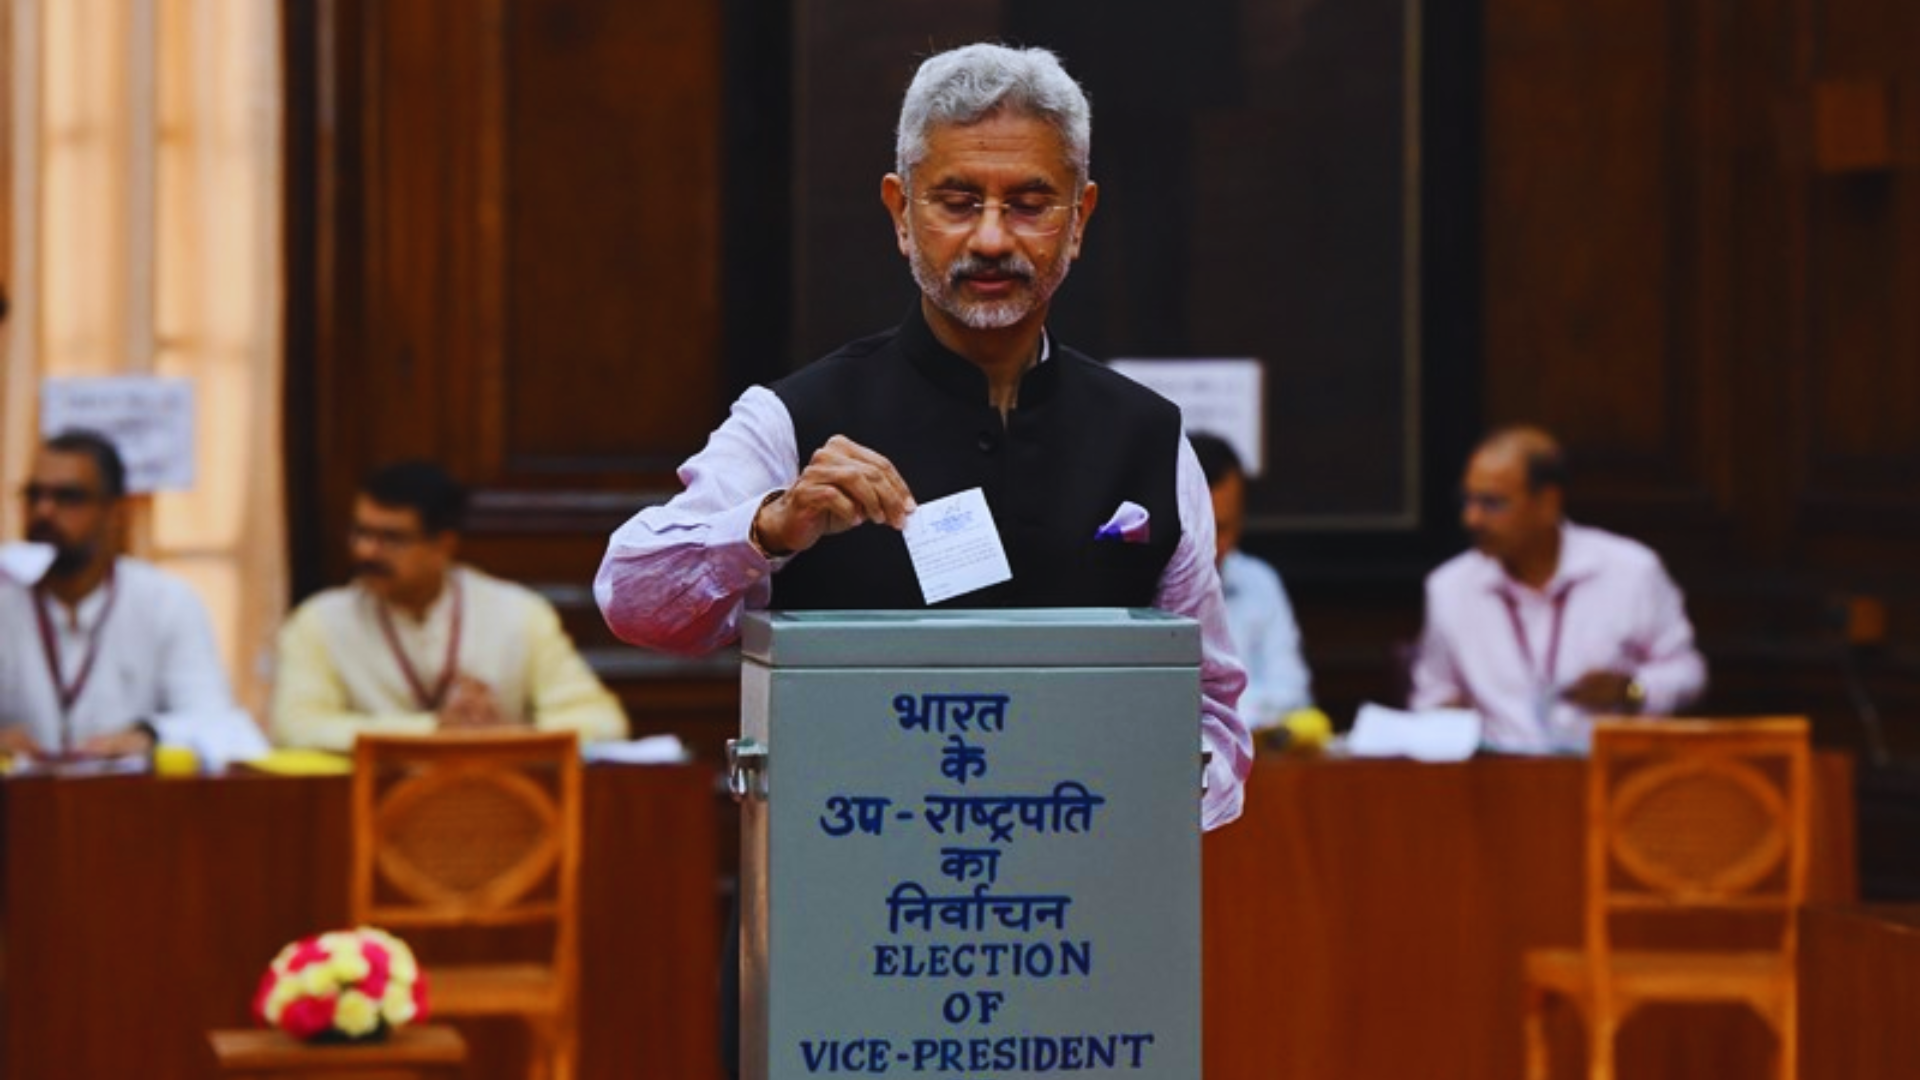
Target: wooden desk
(1859,992)
(139,914)
(418,1051)
(1365,921)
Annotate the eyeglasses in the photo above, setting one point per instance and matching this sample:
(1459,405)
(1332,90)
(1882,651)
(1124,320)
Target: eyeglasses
(386,539)
(1031,214)
(1486,504)
(64,496)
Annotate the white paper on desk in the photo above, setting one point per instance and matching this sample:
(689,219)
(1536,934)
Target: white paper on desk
(25,562)
(218,737)
(116,765)
(955,547)
(1429,735)
(652,750)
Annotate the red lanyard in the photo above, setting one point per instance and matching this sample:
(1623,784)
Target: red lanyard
(427,701)
(69,692)
(1542,677)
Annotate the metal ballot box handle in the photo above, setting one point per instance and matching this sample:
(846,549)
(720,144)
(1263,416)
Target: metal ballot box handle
(746,770)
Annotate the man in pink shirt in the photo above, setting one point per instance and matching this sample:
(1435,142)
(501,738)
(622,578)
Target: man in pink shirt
(1545,623)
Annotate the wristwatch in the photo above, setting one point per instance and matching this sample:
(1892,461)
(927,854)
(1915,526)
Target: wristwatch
(753,530)
(1636,695)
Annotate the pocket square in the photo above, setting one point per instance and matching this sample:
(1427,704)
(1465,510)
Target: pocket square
(1127,525)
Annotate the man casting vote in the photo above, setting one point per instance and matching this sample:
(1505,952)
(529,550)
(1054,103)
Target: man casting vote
(799,499)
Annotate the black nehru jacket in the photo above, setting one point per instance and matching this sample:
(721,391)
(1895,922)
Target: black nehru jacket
(1081,440)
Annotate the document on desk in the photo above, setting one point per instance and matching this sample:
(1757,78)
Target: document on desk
(652,750)
(24,561)
(955,547)
(1428,735)
(77,765)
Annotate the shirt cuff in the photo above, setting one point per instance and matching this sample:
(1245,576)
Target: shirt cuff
(739,564)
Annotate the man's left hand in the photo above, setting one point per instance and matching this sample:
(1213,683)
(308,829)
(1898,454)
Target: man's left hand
(1603,691)
(134,740)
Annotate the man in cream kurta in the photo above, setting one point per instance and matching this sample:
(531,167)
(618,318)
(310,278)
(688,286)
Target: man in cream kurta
(418,643)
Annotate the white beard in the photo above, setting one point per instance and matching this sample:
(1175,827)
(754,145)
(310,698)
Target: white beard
(945,289)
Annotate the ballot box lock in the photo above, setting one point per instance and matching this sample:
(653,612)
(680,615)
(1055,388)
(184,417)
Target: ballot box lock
(747,770)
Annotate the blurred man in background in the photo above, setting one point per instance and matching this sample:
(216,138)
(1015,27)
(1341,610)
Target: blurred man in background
(420,643)
(104,654)
(1545,623)
(1258,611)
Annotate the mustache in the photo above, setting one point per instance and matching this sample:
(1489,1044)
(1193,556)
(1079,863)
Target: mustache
(43,532)
(1012,264)
(371,568)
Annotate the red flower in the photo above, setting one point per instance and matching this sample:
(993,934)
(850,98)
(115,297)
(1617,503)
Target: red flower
(379,968)
(267,980)
(420,997)
(308,1016)
(308,951)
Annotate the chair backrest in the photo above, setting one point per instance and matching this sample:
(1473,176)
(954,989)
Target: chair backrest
(468,830)
(1697,815)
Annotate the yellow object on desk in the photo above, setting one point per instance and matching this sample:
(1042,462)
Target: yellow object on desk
(1307,730)
(293,762)
(175,761)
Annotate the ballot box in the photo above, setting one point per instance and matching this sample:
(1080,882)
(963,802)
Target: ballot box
(970,844)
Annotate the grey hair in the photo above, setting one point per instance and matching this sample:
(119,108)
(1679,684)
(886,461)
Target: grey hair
(966,85)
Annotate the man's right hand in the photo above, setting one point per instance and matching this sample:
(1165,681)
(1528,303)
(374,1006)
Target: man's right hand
(844,484)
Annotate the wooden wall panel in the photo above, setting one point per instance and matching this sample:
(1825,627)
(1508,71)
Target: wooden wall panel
(1860,408)
(1714,322)
(515,260)
(1600,197)
(612,223)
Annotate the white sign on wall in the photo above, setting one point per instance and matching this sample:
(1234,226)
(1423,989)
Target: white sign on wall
(1220,396)
(149,419)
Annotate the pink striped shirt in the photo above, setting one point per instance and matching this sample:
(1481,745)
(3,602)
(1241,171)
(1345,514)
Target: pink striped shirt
(677,577)
(1507,650)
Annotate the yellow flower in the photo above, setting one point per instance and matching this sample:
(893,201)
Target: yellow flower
(400,963)
(349,965)
(315,980)
(397,1003)
(355,1013)
(283,992)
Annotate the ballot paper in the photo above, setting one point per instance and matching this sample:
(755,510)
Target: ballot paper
(1428,735)
(955,547)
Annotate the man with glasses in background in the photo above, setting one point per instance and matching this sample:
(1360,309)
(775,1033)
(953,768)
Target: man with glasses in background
(1545,623)
(419,643)
(104,654)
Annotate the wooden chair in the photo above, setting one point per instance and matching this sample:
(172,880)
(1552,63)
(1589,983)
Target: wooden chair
(423,1051)
(1683,817)
(478,832)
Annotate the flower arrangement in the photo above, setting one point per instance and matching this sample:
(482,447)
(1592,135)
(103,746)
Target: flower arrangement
(342,986)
